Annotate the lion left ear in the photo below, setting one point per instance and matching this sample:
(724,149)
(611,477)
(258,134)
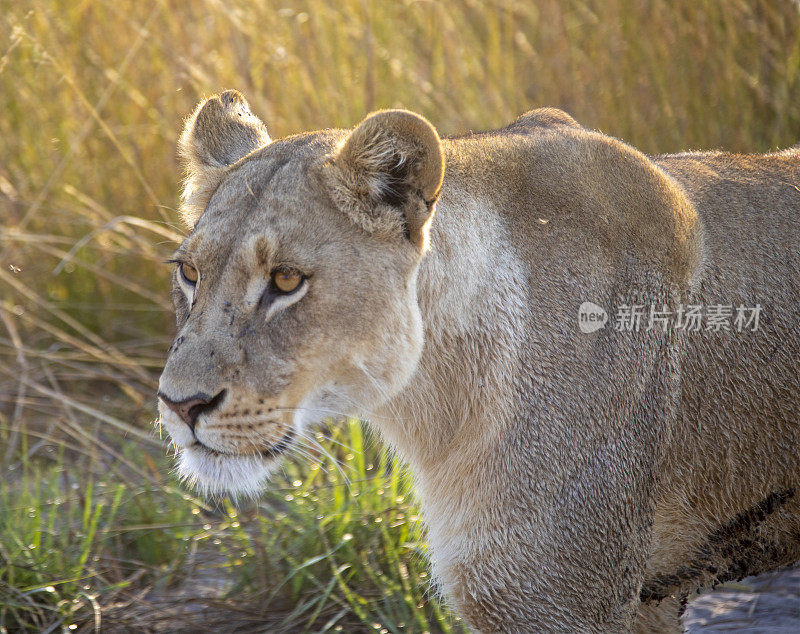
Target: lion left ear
(388,174)
(220,131)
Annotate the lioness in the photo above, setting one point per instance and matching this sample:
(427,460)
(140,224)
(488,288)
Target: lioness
(570,480)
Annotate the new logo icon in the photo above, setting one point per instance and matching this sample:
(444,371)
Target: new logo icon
(591,317)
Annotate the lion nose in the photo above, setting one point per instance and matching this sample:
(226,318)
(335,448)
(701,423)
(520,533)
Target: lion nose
(189,409)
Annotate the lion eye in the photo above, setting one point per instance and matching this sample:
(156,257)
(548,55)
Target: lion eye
(189,273)
(286,281)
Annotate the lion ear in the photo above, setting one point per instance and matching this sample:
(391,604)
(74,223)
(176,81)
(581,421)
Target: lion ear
(388,174)
(219,132)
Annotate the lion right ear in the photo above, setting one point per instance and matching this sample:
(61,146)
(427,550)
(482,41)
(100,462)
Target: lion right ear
(388,173)
(219,132)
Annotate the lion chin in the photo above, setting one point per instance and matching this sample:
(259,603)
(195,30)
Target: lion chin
(215,474)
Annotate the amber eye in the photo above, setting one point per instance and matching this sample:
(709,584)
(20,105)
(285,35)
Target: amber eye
(189,273)
(286,281)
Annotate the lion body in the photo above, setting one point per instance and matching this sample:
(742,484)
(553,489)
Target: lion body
(570,481)
(730,500)
(725,503)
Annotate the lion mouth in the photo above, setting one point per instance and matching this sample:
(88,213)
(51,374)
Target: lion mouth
(273,452)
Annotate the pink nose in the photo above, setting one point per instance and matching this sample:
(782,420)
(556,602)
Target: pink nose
(189,409)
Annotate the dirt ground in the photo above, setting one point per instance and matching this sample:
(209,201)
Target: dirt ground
(769,603)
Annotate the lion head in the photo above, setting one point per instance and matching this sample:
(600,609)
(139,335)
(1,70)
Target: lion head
(295,290)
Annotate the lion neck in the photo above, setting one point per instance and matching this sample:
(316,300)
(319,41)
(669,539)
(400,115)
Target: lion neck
(460,398)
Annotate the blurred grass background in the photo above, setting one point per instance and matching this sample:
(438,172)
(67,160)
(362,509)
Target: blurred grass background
(94,531)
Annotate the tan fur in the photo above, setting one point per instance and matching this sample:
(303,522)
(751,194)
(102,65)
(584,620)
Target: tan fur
(570,481)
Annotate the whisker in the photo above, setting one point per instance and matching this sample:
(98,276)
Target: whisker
(335,461)
(323,410)
(381,389)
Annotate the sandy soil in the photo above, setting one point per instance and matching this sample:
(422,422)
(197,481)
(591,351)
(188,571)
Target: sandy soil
(767,604)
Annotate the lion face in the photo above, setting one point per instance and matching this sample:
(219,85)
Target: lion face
(295,292)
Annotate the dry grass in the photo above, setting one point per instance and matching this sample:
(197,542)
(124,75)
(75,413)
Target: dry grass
(92,96)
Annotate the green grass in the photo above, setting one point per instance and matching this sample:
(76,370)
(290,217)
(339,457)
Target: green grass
(332,546)
(93,526)
(69,535)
